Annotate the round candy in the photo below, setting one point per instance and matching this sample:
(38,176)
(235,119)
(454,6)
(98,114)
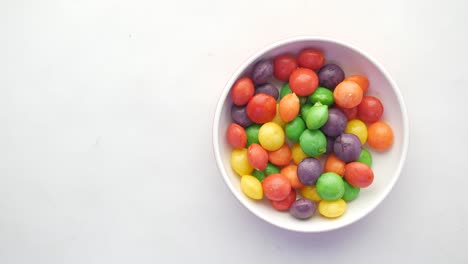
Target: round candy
(276,187)
(347,94)
(330,186)
(365,157)
(251,187)
(286,89)
(380,136)
(289,107)
(358,174)
(239,116)
(303,208)
(309,170)
(330,76)
(268,89)
(313,142)
(347,147)
(260,175)
(303,81)
(281,156)
(262,71)
(290,172)
(271,136)
(252,134)
(310,192)
(361,80)
(242,91)
(358,128)
(322,95)
(294,129)
(297,154)
(285,204)
(311,59)
(236,136)
(332,209)
(257,156)
(334,164)
(240,163)
(370,109)
(271,169)
(317,116)
(336,123)
(261,108)
(350,192)
(283,67)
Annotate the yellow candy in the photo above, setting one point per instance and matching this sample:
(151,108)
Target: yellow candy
(358,128)
(332,209)
(278,119)
(239,162)
(310,192)
(297,153)
(271,136)
(251,187)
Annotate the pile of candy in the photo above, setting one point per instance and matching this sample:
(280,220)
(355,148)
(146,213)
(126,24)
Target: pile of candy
(306,138)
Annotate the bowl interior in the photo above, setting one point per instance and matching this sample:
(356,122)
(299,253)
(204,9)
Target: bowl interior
(386,165)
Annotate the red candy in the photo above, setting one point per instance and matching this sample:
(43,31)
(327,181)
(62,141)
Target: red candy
(236,136)
(311,59)
(276,187)
(285,204)
(257,156)
(261,108)
(358,174)
(242,91)
(303,81)
(370,109)
(283,67)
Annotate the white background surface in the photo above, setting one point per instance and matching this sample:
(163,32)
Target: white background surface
(106,110)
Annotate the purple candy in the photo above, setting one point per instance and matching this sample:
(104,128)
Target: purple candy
(262,71)
(268,89)
(303,208)
(330,76)
(309,170)
(347,147)
(239,116)
(335,124)
(330,143)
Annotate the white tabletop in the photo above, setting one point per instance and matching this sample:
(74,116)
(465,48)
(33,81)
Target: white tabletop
(106,110)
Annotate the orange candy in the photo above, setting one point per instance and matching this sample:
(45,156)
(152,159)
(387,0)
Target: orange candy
(379,136)
(361,80)
(347,94)
(281,156)
(289,107)
(334,164)
(290,172)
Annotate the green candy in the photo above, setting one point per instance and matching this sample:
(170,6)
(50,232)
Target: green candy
(286,89)
(304,109)
(252,134)
(260,175)
(271,169)
(313,142)
(365,157)
(330,186)
(350,192)
(322,95)
(295,128)
(317,116)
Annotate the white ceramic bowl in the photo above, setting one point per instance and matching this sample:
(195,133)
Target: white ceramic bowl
(386,166)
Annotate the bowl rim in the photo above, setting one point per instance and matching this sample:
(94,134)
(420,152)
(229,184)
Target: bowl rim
(277,44)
